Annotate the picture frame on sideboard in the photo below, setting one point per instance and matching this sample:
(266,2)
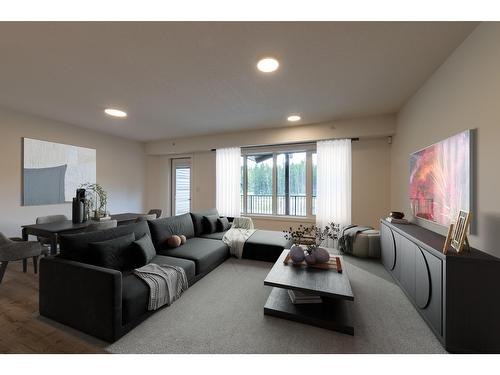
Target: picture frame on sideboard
(459,239)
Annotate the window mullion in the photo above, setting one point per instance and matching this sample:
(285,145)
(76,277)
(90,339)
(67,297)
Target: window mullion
(309,178)
(275,185)
(245,185)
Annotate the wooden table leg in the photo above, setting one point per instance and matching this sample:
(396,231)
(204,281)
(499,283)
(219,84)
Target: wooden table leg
(3,267)
(35,264)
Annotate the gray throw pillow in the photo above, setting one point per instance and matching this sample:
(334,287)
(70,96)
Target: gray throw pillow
(117,253)
(223,224)
(210,223)
(146,248)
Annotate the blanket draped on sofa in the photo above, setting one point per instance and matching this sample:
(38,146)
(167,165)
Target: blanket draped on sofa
(166,283)
(241,230)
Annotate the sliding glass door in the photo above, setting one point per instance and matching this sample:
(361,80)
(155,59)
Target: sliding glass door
(181,186)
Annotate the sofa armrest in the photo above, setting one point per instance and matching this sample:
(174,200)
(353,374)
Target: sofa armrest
(82,296)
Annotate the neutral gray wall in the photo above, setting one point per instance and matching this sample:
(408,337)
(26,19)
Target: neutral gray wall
(121,167)
(464,93)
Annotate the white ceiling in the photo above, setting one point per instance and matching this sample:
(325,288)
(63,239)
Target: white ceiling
(182,79)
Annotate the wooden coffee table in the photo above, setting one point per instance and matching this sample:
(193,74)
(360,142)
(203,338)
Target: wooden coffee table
(333,287)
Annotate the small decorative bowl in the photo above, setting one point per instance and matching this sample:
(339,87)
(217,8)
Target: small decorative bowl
(397,215)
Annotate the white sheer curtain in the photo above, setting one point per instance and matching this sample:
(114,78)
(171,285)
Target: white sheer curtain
(333,182)
(228,170)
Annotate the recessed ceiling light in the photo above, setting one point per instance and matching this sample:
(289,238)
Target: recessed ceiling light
(115,112)
(268,65)
(293,118)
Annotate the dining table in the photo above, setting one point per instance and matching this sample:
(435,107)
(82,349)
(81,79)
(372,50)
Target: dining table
(51,231)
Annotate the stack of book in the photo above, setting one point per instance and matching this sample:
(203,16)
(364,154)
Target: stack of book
(397,221)
(301,297)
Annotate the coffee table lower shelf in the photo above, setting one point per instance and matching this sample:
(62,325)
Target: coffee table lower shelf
(333,314)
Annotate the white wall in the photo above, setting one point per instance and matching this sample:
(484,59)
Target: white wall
(464,93)
(121,167)
(363,127)
(370,158)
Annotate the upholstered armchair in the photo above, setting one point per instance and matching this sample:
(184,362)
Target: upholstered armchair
(18,250)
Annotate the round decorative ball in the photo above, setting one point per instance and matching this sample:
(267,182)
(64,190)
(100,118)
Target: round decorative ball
(174,241)
(297,254)
(310,258)
(183,239)
(322,255)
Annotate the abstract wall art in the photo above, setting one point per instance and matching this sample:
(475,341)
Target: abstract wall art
(440,179)
(53,171)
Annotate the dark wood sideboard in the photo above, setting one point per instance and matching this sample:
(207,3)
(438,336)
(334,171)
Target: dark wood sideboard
(458,295)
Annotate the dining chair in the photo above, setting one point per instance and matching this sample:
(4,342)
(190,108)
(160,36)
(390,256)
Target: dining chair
(145,217)
(45,242)
(18,250)
(101,225)
(155,211)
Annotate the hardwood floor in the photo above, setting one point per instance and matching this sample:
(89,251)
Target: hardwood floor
(21,331)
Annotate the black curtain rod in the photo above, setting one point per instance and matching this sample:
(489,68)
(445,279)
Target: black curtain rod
(293,143)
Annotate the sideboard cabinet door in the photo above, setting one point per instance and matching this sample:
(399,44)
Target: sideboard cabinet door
(406,256)
(388,247)
(429,288)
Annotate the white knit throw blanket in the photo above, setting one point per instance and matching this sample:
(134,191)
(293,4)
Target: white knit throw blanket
(241,229)
(166,283)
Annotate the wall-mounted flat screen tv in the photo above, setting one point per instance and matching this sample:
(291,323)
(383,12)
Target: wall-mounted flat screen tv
(440,179)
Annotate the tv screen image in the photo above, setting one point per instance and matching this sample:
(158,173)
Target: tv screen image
(440,179)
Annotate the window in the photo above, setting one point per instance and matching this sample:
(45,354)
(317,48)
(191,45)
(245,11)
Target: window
(280,181)
(314,181)
(181,186)
(291,184)
(260,184)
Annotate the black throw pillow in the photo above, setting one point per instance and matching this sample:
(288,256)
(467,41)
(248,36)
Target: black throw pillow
(117,253)
(223,224)
(210,223)
(146,249)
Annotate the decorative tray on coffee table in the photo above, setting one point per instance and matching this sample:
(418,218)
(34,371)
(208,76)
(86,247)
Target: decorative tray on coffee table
(332,264)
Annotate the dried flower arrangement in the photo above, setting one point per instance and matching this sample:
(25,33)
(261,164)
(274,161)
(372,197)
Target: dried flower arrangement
(312,237)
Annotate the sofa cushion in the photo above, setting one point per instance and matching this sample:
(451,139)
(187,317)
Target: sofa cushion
(135,292)
(206,253)
(117,253)
(266,245)
(223,224)
(210,223)
(76,246)
(163,229)
(145,247)
(197,218)
(214,236)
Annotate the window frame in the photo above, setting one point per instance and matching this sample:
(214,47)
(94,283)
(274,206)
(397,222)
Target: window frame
(309,149)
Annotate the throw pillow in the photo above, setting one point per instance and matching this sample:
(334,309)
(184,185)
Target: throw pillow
(117,253)
(146,248)
(183,239)
(174,241)
(223,224)
(210,223)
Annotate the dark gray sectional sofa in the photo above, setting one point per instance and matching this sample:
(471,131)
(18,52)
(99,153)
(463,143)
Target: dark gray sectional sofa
(107,303)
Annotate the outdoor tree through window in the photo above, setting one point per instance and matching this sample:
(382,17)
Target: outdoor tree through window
(276,183)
